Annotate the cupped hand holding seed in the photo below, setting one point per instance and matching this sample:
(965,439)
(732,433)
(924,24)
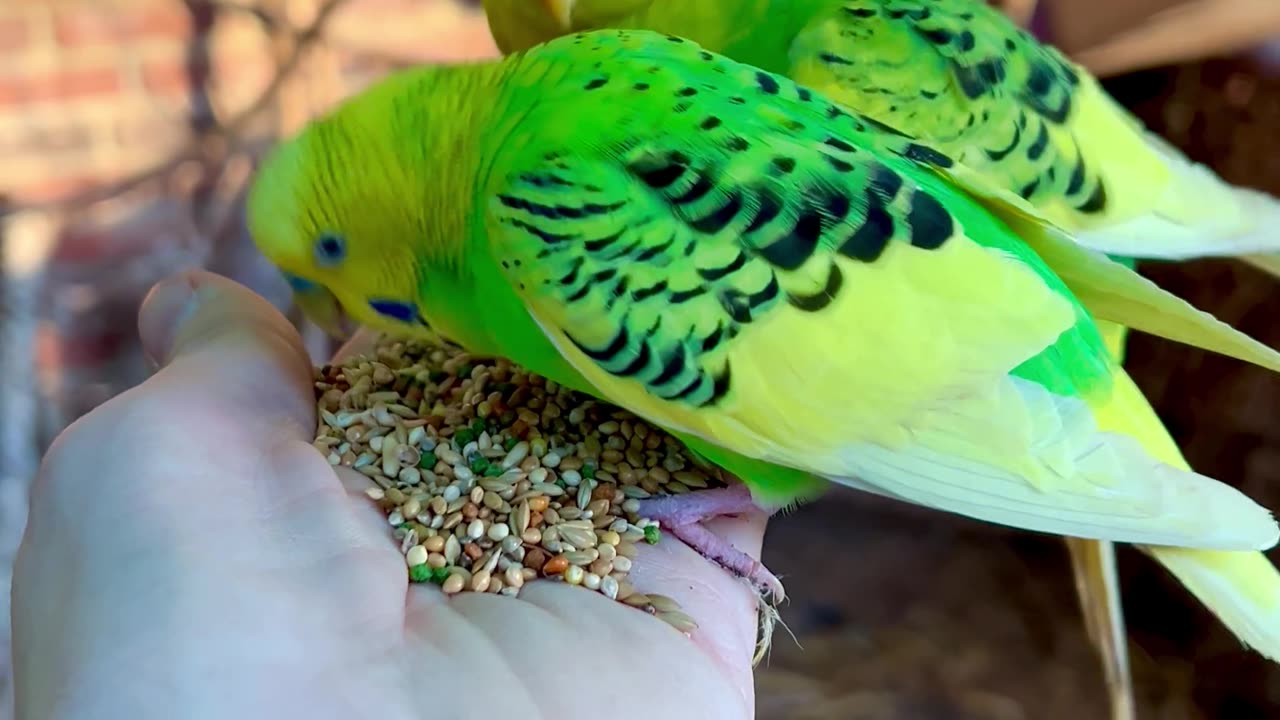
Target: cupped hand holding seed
(189,554)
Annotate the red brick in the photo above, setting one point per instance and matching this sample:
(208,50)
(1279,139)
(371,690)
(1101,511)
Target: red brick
(163,77)
(60,85)
(15,33)
(50,189)
(84,25)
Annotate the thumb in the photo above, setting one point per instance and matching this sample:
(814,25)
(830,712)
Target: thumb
(219,345)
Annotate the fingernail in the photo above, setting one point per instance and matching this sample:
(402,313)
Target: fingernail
(169,305)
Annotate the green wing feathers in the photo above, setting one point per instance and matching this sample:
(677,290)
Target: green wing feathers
(1027,127)
(690,270)
(965,79)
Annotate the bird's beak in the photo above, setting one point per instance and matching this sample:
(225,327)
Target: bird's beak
(561,10)
(319,306)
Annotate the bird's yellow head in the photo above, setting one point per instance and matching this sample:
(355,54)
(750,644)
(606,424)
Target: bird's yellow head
(328,208)
(520,24)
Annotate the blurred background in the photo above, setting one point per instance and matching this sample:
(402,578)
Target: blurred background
(128,130)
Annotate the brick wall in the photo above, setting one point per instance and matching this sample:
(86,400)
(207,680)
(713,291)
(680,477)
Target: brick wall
(94,91)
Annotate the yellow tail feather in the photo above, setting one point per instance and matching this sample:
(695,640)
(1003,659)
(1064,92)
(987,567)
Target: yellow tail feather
(1113,292)
(1269,264)
(1241,588)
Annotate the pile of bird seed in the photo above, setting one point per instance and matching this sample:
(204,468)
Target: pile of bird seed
(492,476)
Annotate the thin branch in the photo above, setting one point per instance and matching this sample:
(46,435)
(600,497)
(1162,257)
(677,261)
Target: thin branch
(268,20)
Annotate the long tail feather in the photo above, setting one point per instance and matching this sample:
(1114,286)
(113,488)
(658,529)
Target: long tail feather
(1094,565)
(1112,292)
(1269,264)
(1241,588)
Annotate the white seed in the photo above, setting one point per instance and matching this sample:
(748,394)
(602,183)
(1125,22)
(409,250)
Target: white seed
(416,436)
(609,587)
(574,574)
(452,549)
(453,584)
(591,581)
(622,563)
(417,555)
(475,530)
(549,489)
(516,455)
(514,576)
(577,536)
(551,459)
(498,532)
(571,477)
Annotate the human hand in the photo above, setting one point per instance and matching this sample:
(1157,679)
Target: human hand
(189,554)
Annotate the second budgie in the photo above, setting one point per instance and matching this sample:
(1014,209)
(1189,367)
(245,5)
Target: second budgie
(792,291)
(1025,125)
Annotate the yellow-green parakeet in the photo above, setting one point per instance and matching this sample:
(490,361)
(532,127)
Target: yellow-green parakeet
(1031,132)
(793,291)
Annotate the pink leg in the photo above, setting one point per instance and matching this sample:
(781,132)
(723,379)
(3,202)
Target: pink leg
(681,515)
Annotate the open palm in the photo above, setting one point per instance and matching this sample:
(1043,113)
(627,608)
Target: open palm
(189,554)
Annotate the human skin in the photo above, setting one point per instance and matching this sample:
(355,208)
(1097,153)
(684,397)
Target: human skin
(189,554)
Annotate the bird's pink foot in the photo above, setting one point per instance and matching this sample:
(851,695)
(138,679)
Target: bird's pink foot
(681,515)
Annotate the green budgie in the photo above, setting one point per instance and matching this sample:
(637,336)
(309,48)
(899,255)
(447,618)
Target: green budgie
(798,294)
(1031,132)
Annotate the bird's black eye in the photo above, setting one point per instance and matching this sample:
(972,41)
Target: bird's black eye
(331,249)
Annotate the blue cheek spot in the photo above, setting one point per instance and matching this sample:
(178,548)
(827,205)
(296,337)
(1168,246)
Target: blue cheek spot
(396,310)
(299,284)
